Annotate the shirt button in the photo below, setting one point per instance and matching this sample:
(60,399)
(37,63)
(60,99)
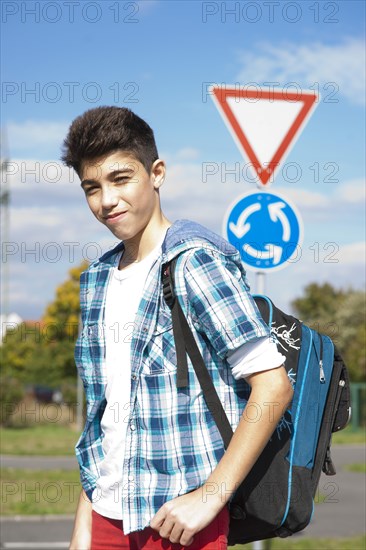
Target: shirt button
(134,377)
(133,427)
(144,329)
(130,478)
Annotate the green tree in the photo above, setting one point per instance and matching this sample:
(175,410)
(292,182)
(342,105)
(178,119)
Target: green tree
(320,303)
(341,315)
(60,325)
(11,393)
(61,317)
(43,353)
(17,350)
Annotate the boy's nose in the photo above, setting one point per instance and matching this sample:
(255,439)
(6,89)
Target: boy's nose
(109,198)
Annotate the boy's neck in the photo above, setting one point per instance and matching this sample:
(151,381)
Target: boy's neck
(141,245)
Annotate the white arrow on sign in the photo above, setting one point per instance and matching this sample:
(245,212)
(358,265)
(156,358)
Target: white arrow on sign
(272,251)
(240,228)
(275,213)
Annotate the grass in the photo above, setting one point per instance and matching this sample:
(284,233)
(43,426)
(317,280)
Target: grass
(320,497)
(38,492)
(349,436)
(53,439)
(42,439)
(352,543)
(359,467)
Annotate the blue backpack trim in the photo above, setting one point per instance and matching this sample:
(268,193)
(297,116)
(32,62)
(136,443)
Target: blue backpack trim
(296,420)
(270,307)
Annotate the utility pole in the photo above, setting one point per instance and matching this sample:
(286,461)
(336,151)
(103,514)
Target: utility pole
(5,219)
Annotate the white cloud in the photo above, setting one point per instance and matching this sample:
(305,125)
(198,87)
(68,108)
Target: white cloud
(26,218)
(36,132)
(345,197)
(36,138)
(187,153)
(42,213)
(47,206)
(353,254)
(22,174)
(342,64)
(206,192)
(305,199)
(353,191)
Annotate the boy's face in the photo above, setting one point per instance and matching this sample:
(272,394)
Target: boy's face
(120,192)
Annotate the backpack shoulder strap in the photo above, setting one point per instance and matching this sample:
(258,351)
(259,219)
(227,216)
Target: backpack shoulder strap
(185,343)
(176,310)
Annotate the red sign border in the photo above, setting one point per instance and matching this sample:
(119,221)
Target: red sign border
(221,93)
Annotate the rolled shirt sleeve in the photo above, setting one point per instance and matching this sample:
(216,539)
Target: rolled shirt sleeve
(256,356)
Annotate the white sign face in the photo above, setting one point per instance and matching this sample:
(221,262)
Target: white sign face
(265,123)
(265,228)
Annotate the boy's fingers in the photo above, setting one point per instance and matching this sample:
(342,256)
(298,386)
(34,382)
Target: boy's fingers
(166,529)
(186,539)
(176,534)
(158,520)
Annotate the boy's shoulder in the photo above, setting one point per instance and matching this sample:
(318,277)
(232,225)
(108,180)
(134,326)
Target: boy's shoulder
(199,252)
(186,235)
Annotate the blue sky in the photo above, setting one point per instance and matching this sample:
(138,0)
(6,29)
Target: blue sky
(158,58)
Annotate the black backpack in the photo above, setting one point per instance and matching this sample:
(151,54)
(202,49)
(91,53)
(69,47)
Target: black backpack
(276,499)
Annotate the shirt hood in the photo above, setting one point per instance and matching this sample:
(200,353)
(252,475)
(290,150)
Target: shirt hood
(181,236)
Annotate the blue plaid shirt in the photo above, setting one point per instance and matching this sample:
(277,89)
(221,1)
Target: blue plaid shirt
(172,442)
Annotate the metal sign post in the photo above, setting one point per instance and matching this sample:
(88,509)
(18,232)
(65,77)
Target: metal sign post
(260,282)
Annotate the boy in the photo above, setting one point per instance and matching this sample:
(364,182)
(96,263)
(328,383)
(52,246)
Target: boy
(152,462)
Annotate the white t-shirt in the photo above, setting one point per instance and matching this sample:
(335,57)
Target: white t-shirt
(124,293)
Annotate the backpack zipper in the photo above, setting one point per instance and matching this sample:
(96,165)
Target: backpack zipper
(321,370)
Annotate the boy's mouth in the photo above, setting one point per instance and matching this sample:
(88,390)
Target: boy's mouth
(115,216)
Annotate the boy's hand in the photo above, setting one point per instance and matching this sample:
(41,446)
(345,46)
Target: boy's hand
(181,518)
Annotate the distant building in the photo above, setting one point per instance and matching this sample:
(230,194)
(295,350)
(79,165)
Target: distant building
(10,321)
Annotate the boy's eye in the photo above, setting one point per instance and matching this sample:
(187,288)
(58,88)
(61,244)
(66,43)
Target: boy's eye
(91,190)
(121,180)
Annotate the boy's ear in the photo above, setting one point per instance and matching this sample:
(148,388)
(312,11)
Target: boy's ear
(158,170)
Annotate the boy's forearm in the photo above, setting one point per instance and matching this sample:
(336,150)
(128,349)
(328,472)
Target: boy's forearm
(81,535)
(181,518)
(264,409)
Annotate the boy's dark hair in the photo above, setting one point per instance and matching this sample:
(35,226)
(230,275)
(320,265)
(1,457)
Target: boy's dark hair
(104,130)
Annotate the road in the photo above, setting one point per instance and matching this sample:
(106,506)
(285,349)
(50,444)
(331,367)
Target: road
(39,462)
(342,514)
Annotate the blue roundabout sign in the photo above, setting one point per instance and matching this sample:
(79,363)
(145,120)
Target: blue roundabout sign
(265,228)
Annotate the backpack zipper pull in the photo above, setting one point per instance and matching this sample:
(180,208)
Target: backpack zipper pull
(321,370)
(328,466)
(322,375)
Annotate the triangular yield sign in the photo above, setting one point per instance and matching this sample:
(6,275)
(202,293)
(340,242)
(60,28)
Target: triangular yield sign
(265,123)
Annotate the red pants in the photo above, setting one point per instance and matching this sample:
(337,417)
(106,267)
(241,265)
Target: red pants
(107,534)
